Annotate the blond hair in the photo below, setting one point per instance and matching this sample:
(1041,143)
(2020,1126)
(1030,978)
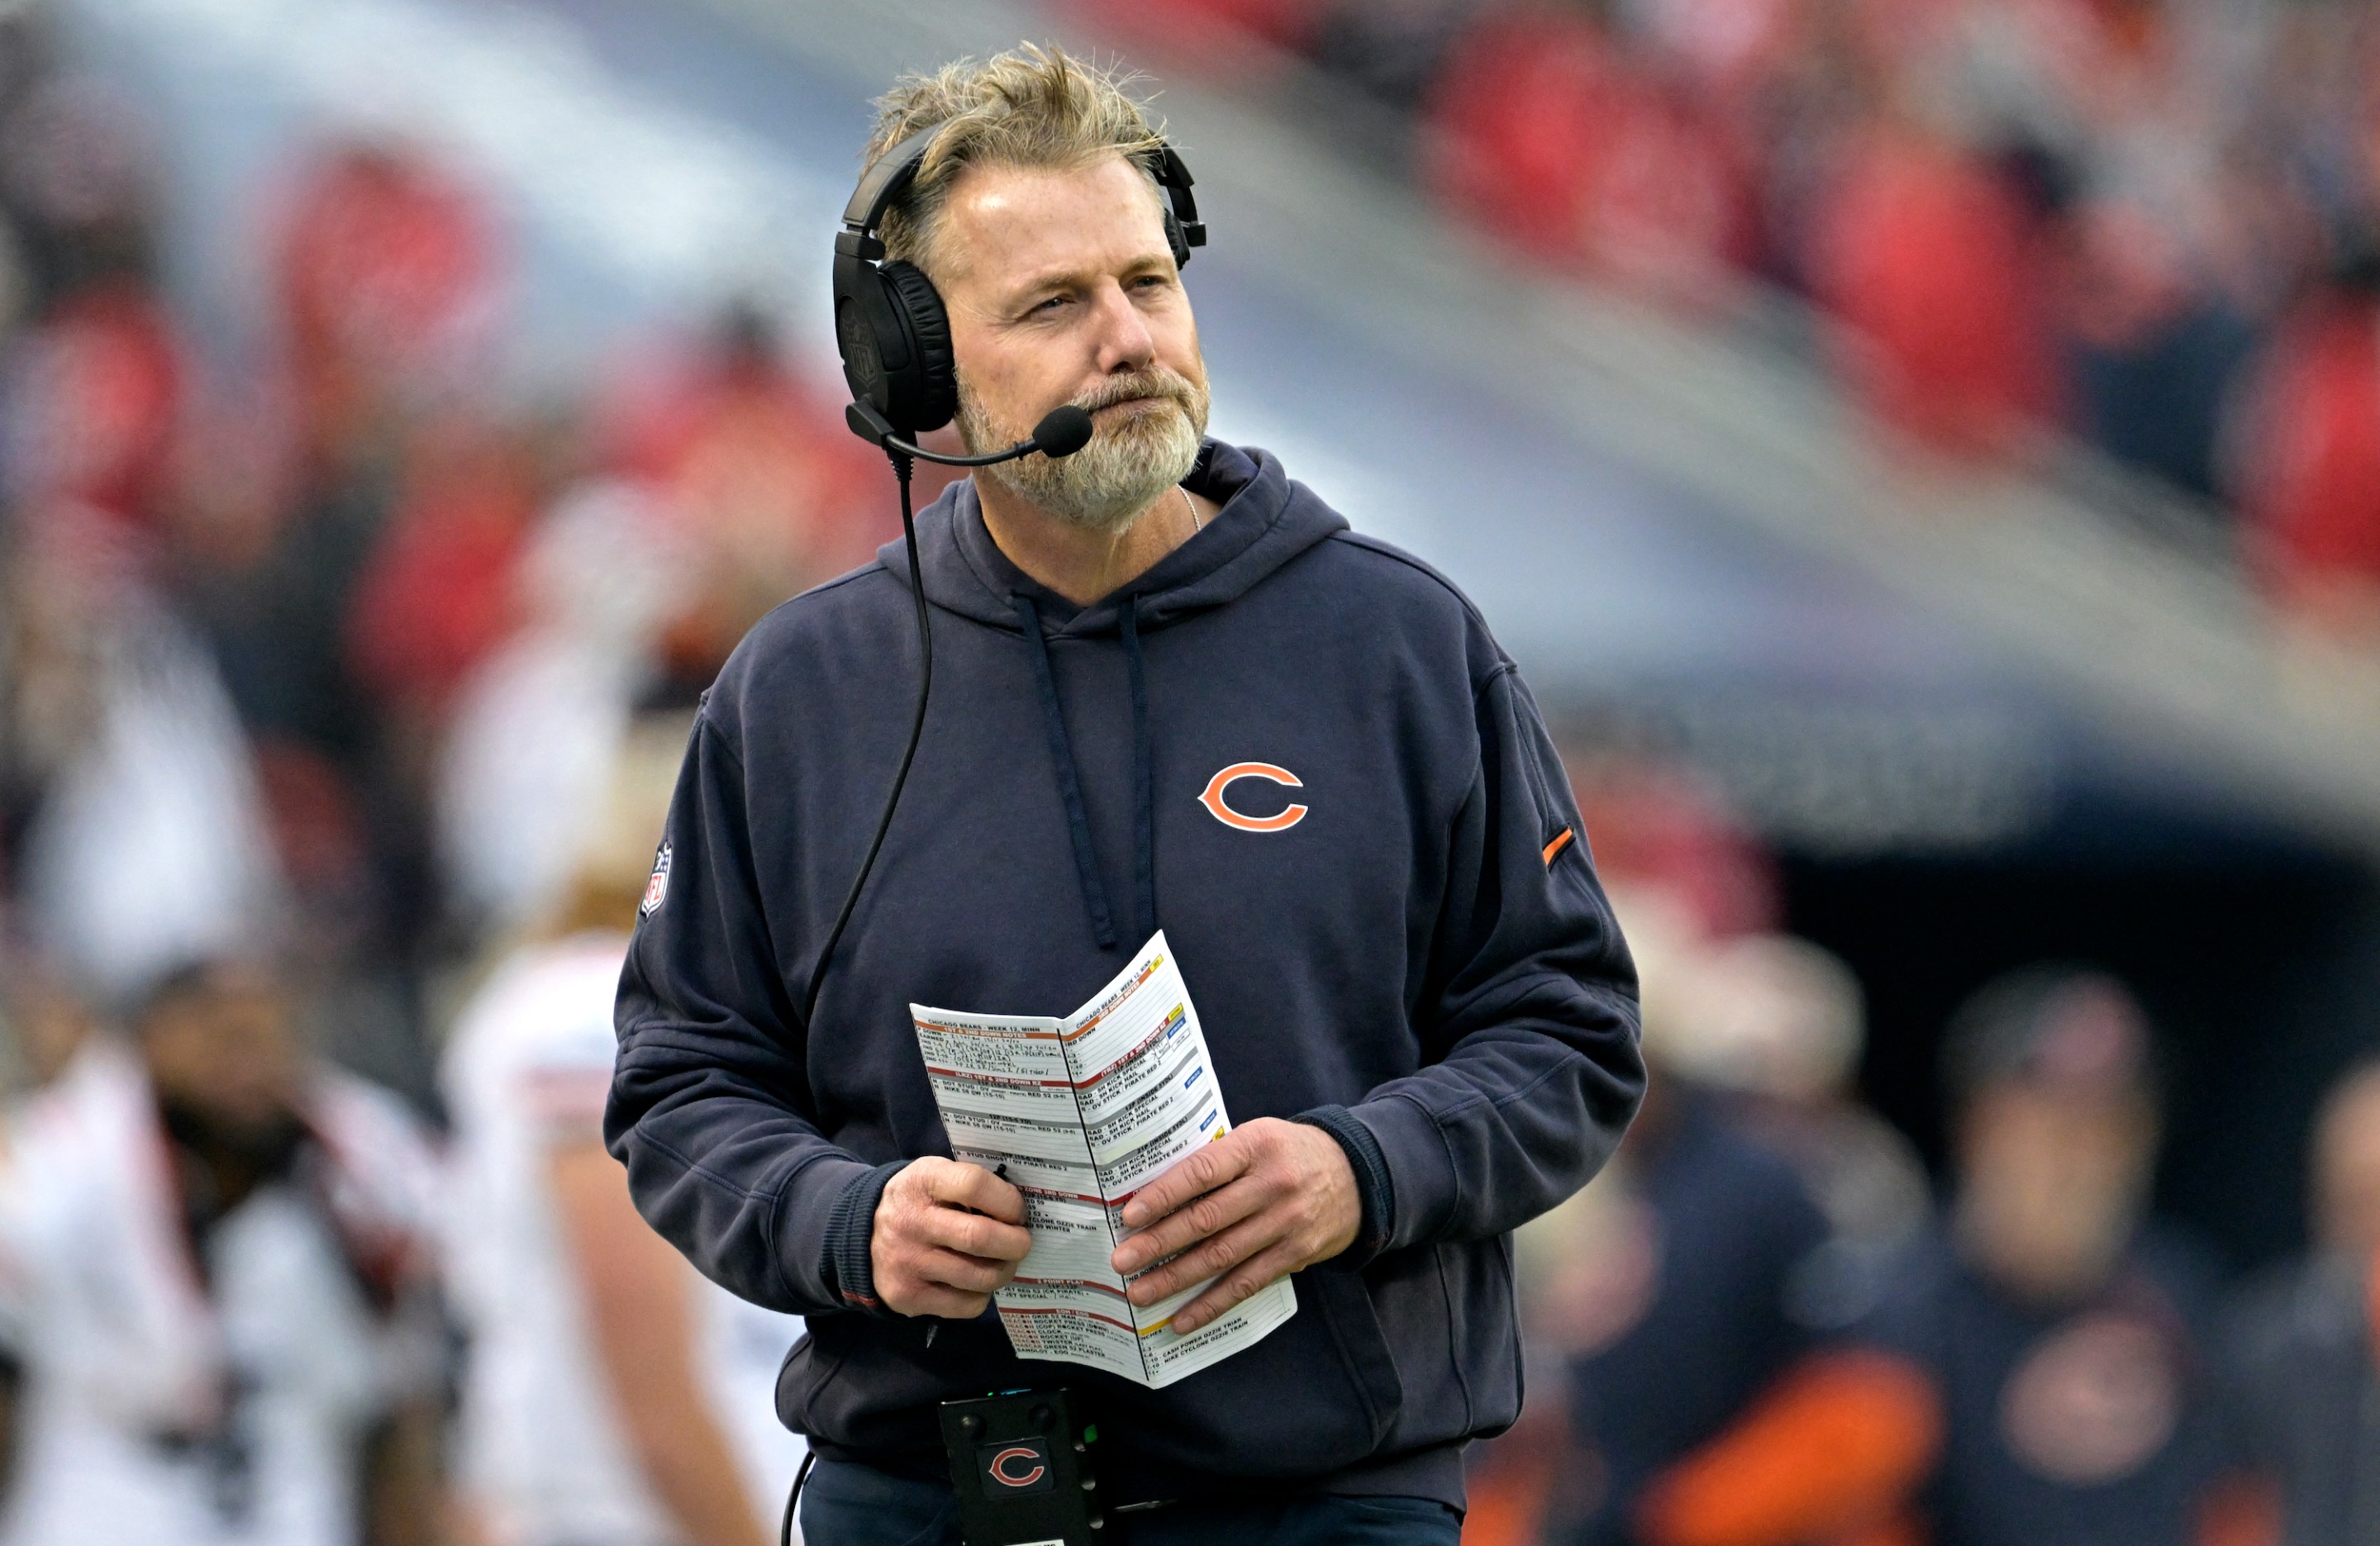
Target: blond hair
(1031,107)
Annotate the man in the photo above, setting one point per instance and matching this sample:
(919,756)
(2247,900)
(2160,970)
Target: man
(612,1397)
(1415,1000)
(1679,1315)
(1668,1295)
(217,1257)
(2039,1376)
(2302,1341)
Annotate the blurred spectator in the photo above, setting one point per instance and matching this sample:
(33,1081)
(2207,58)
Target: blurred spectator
(144,839)
(1667,1295)
(1723,1227)
(387,270)
(1664,1291)
(1937,267)
(78,177)
(1515,109)
(614,1397)
(537,727)
(770,494)
(2304,1342)
(2156,346)
(269,575)
(438,594)
(1664,836)
(1781,1028)
(220,1298)
(2310,445)
(93,393)
(2039,1376)
(93,406)
(1558,141)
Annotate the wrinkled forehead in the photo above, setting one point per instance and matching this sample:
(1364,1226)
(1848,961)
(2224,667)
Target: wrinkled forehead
(1002,223)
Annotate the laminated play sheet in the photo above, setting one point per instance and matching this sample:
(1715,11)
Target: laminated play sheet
(1077,1114)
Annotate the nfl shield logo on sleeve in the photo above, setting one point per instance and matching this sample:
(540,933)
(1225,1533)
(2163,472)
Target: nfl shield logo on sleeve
(657,886)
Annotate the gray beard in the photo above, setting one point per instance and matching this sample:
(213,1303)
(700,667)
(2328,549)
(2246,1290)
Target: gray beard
(1105,486)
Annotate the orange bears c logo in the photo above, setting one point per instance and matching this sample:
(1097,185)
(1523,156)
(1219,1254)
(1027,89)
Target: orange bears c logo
(1213,798)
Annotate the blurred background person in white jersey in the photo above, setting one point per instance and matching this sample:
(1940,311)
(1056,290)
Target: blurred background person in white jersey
(614,1397)
(222,1315)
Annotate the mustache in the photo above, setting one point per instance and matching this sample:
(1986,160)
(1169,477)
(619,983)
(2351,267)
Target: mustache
(1164,384)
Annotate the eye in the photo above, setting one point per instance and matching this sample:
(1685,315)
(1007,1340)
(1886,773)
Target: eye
(1051,304)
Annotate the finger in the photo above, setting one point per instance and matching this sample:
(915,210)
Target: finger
(971,1186)
(952,1269)
(1224,1160)
(1209,1258)
(1177,1231)
(1258,1272)
(973,1235)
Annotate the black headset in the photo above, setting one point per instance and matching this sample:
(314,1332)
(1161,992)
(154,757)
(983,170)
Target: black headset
(889,320)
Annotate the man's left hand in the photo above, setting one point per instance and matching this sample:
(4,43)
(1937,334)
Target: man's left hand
(1268,1199)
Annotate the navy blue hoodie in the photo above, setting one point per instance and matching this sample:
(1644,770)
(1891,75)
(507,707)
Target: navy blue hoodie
(1422,964)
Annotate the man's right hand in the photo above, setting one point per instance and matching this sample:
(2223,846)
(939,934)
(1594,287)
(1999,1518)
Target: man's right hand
(946,1236)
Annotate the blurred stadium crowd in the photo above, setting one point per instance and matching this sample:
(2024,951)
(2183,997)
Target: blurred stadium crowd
(340,695)
(2154,224)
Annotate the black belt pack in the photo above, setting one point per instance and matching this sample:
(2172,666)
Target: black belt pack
(1020,1461)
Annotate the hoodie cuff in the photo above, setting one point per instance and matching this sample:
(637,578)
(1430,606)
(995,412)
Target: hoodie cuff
(1375,1191)
(843,1260)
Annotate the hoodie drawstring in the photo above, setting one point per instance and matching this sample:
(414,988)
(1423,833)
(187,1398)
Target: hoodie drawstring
(1061,751)
(1144,773)
(1069,789)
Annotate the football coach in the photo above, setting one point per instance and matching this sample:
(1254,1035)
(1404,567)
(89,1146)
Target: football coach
(1173,687)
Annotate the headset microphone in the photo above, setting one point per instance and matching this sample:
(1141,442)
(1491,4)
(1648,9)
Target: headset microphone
(1061,432)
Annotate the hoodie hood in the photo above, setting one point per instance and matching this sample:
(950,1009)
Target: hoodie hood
(1267,520)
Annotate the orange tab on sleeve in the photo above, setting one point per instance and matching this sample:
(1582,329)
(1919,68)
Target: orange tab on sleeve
(1561,840)
(1834,1448)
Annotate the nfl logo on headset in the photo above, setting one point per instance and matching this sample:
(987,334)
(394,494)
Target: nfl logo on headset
(657,886)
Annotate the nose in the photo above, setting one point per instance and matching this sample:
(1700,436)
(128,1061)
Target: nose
(1125,342)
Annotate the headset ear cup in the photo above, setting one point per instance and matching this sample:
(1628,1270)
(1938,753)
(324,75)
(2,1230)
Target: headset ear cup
(930,388)
(858,334)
